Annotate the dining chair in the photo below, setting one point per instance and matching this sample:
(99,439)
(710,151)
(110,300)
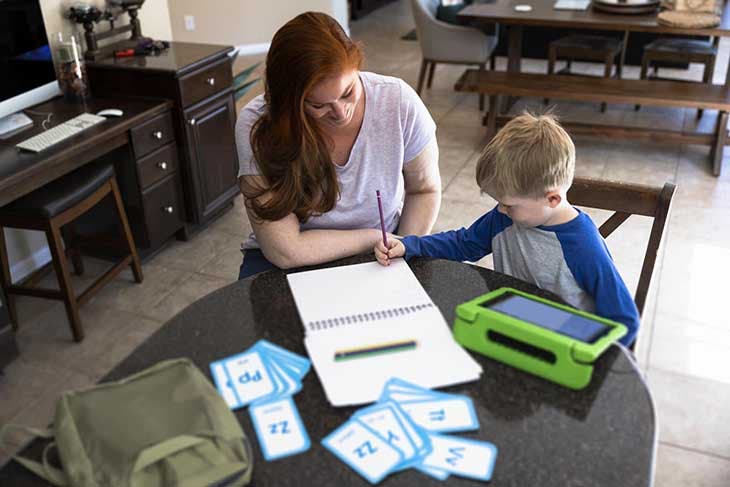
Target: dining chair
(589,48)
(626,199)
(448,44)
(680,51)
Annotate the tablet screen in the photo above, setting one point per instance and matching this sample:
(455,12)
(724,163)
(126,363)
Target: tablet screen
(550,317)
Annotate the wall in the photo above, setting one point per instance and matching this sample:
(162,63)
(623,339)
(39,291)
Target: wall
(28,250)
(244,22)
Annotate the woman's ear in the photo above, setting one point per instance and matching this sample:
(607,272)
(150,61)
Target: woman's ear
(554,198)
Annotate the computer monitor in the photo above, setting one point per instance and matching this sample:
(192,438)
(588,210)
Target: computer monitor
(28,76)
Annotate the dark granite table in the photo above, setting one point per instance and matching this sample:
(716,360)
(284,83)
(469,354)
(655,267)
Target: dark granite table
(604,435)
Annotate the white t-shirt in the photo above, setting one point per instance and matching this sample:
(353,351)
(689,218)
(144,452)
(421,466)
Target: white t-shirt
(396,127)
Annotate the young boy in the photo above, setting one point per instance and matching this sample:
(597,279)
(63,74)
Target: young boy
(534,232)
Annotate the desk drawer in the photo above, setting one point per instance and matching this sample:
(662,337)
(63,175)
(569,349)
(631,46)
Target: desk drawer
(163,212)
(157,166)
(205,82)
(152,135)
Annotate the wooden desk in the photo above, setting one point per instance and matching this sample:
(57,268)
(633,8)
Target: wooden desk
(132,142)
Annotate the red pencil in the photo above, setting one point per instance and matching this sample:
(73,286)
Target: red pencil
(382,222)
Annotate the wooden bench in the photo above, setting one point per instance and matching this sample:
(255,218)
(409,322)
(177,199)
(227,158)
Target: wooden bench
(677,94)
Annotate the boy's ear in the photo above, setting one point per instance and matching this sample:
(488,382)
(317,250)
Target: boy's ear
(553,198)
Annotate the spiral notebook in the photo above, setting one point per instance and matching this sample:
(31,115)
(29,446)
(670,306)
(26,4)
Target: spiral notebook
(364,306)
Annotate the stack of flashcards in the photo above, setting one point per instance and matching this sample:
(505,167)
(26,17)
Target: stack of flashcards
(266,376)
(404,430)
(262,373)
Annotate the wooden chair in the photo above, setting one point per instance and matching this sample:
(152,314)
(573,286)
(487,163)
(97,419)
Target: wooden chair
(49,209)
(626,200)
(591,48)
(680,51)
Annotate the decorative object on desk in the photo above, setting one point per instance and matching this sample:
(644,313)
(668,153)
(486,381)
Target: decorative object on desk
(165,422)
(89,15)
(626,7)
(692,14)
(84,13)
(547,339)
(241,84)
(690,20)
(401,431)
(572,4)
(70,66)
(696,6)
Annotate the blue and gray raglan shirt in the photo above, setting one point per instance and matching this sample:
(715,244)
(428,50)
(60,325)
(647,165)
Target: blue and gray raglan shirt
(570,259)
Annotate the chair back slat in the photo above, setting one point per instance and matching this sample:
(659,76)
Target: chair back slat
(634,199)
(626,200)
(613,223)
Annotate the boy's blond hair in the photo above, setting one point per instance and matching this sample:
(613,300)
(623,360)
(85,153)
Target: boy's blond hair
(530,156)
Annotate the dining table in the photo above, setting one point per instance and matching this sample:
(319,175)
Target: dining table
(542,13)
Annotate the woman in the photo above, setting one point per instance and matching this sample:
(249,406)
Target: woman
(318,144)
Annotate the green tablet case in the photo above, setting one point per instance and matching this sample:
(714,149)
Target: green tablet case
(529,347)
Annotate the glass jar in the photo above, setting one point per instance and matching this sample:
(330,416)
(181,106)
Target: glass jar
(70,66)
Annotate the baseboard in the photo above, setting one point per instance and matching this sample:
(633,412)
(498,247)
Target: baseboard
(35,261)
(252,49)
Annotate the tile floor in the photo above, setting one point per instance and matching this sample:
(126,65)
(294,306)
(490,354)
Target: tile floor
(685,335)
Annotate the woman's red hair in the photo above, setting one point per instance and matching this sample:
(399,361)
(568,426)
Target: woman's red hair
(291,150)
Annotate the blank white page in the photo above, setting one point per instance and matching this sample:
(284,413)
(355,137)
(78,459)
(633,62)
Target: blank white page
(353,290)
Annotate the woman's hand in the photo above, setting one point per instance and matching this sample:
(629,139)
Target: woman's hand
(395,249)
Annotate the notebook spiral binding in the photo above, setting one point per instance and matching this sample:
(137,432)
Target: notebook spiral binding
(366,317)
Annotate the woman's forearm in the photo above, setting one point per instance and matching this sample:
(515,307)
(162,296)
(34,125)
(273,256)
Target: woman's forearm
(311,247)
(419,213)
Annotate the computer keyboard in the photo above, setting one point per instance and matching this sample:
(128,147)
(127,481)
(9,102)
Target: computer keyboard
(60,132)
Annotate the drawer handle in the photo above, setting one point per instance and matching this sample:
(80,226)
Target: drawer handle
(192,121)
(157,134)
(210,81)
(162,165)
(168,209)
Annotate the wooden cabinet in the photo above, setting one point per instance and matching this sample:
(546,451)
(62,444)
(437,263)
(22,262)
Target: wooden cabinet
(197,79)
(148,174)
(212,153)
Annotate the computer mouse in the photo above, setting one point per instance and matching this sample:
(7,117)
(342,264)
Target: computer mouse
(111,112)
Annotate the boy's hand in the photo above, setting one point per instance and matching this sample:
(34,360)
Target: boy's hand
(395,249)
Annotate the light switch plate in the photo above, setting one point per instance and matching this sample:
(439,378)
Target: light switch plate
(189,22)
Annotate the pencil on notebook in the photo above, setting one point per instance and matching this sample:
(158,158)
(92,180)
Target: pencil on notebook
(379,349)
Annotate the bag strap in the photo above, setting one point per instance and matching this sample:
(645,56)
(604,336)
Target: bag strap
(160,451)
(43,470)
(213,475)
(166,448)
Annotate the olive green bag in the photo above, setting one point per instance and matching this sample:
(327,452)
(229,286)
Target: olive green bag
(164,426)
